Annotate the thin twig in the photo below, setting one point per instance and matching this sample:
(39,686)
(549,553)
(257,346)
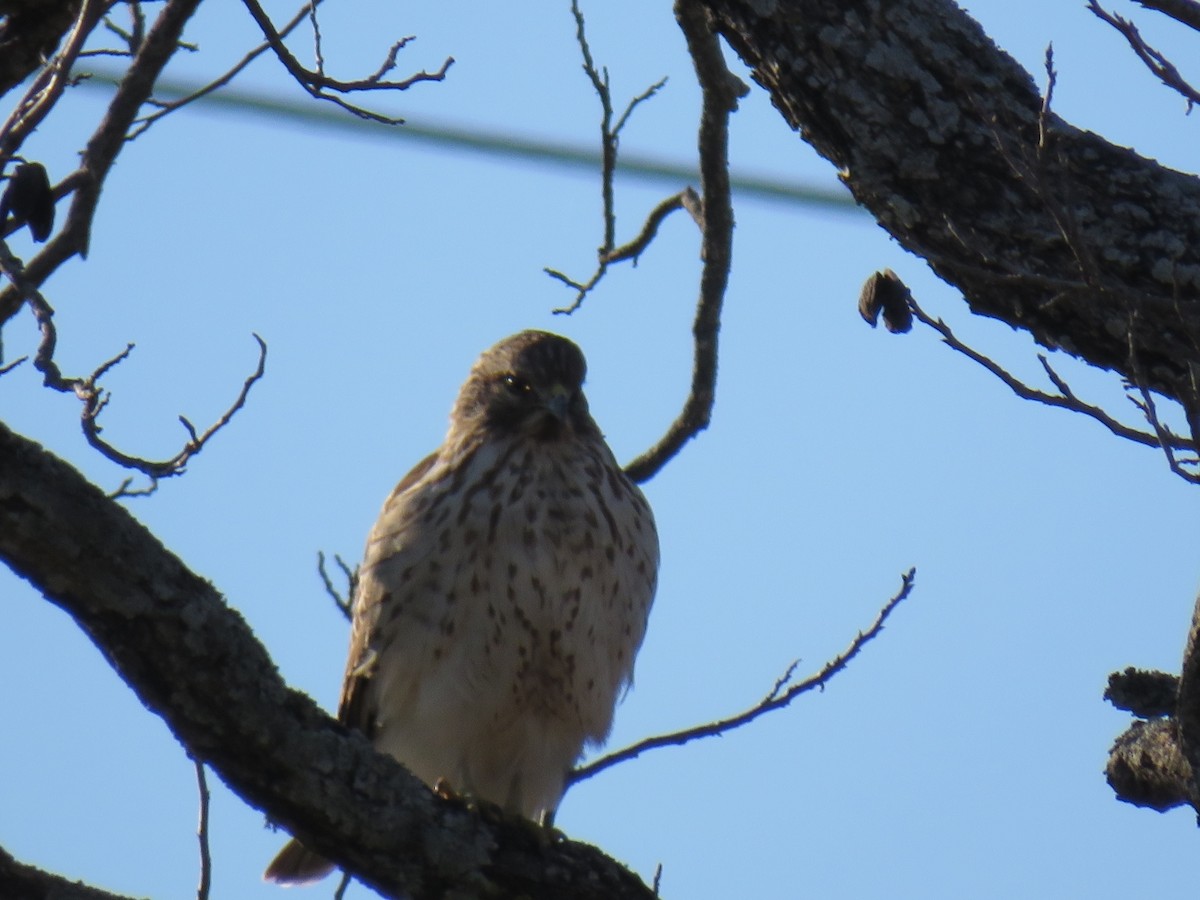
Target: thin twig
(1054,190)
(124,490)
(686,199)
(342,885)
(772,701)
(94,398)
(1150,410)
(635,103)
(1066,399)
(5,369)
(318,52)
(721,91)
(165,108)
(607,252)
(202,834)
(343,603)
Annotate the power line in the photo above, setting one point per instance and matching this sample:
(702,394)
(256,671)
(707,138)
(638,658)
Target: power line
(473,139)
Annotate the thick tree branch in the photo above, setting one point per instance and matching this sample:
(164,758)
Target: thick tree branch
(192,660)
(21,882)
(941,136)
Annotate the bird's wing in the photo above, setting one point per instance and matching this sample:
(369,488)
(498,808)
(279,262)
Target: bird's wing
(356,707)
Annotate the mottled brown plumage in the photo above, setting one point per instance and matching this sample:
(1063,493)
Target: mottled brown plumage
(504,592)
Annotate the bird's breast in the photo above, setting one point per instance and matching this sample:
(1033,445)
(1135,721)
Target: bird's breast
(555,579)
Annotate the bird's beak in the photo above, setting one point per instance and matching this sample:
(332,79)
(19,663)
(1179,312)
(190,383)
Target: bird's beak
(557,400)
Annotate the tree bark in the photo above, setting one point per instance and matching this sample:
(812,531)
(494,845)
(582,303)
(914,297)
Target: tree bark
(1086,245)
(22,882)
(193,661)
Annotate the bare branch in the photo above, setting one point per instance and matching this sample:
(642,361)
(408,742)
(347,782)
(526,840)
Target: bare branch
(94,398)
(686,199)
(1066,399)
(319,85)
(318,52)
(202,834)
(5,369)
(1159,65)
(124,489)
(344,603)
(772,701)
(635,103)
(607,253)
(721,91)
(1150,409)
(165,108)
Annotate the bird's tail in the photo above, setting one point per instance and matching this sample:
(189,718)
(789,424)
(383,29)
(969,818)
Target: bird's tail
(296,864)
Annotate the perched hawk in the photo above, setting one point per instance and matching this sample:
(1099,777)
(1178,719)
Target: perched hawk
(504,593)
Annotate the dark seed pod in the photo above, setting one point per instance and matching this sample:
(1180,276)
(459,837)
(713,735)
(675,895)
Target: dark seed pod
(885,292)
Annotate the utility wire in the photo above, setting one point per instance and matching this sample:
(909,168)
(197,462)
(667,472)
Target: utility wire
(473,139)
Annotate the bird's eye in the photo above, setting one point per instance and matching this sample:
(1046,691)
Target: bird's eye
(516,385)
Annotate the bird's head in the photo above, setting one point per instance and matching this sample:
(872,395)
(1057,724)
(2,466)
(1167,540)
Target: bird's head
(530,384)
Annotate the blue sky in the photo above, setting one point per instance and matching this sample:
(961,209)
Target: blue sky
(960,755)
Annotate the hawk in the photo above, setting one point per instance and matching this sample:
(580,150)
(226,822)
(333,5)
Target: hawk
(503,595)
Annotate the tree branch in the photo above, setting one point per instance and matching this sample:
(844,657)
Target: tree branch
(1066,398)
(102,148)
(924,117)
(318,84)
(1161,67)
(721,91)
(607,253)
(165,108)
(205,884)
(1186,12)
(94,398)
(192,660)
(777,698)
(21,882)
